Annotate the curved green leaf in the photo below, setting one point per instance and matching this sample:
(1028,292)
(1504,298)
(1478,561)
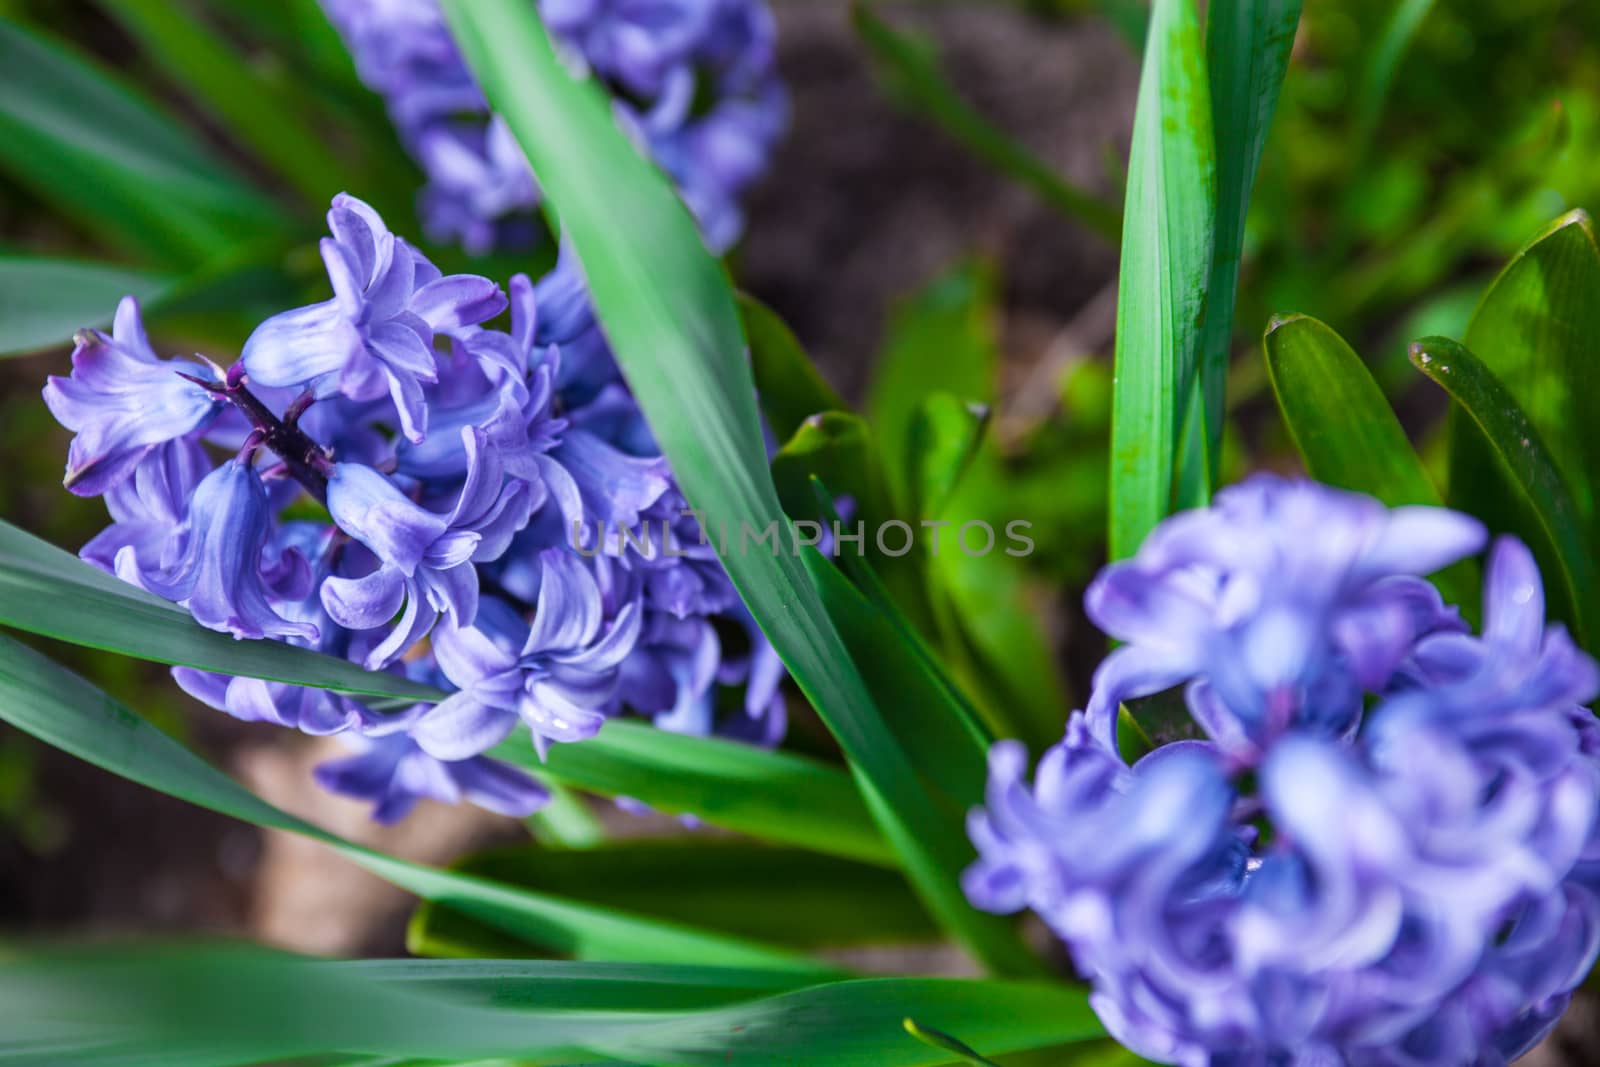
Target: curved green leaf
(1247,54)
(1346,432)
(779,896)
(772,795)
(218,1006)
(1557,536)
(61,709)
(1166,261)
(1535,330)
(46,591)
(945,435)
(43,302)
(1341,423)
(666,307)
(103,156)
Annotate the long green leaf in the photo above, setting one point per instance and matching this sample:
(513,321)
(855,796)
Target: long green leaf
(61,709)
(1555,531)
(1247,53)
(1383,64)
(1166,261)
(780,896)
(912,71)
(46,591)
(668,311)
(224,1006)
(1535,329)
(1341,423)
(44,301)
(1345,430)
(775,796)
(221,80)
(106,158)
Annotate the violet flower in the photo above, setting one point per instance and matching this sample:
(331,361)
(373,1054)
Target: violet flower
(1416,886)
(123,401)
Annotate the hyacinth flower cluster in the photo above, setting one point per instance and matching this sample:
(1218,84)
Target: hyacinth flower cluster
(387,478)
(694,83)
(1377,842)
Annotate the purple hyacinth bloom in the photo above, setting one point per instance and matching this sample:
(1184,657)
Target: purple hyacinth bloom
(216,568)
(424,559)
(375,337)
(123,402)
(313,711)
(1419,887)
(147,507)
(695,83)
(1275,607)
(392,772)
(559,678)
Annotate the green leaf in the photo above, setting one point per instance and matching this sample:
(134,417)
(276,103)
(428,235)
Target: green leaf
(791,388)
(944,438)
(838,448)
(1166,261)
(63,710)
(1550,523)
(942,339)
(780,896)
(224,82)
(217,1006)
(911,69)
(775,796)
(46,591)
(105,157)
(43,302)
(1342,425)
(1345,430)
(943,1041)
(1535,330)
(668,311)
(1247,52)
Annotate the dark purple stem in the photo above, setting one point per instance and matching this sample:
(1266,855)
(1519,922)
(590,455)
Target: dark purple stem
(306,460)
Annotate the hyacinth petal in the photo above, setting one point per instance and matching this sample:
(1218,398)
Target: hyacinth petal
(1128,673)
(294,348)
(467,655)
(452,592)
(458,300)
(1421,540)
(614,485)
(612,648)
(463,725)
(364,603)
(564,711)
(568,612)
(1513,597)
(416,619)
(500,788)
(357,229)
(369,508)
(217,571)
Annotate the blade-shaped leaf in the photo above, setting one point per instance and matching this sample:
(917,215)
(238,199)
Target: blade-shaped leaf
(61,709)
(1345,430)
(791,388)
(944,437)
(779,896)
(1247,53)
(219,1006)
(775,796)
(1548,517)
(1383,64)
(1535,330)
(1166,260)
(911,70)
(46,591)
(105,157)
(44,301)
(668,311)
